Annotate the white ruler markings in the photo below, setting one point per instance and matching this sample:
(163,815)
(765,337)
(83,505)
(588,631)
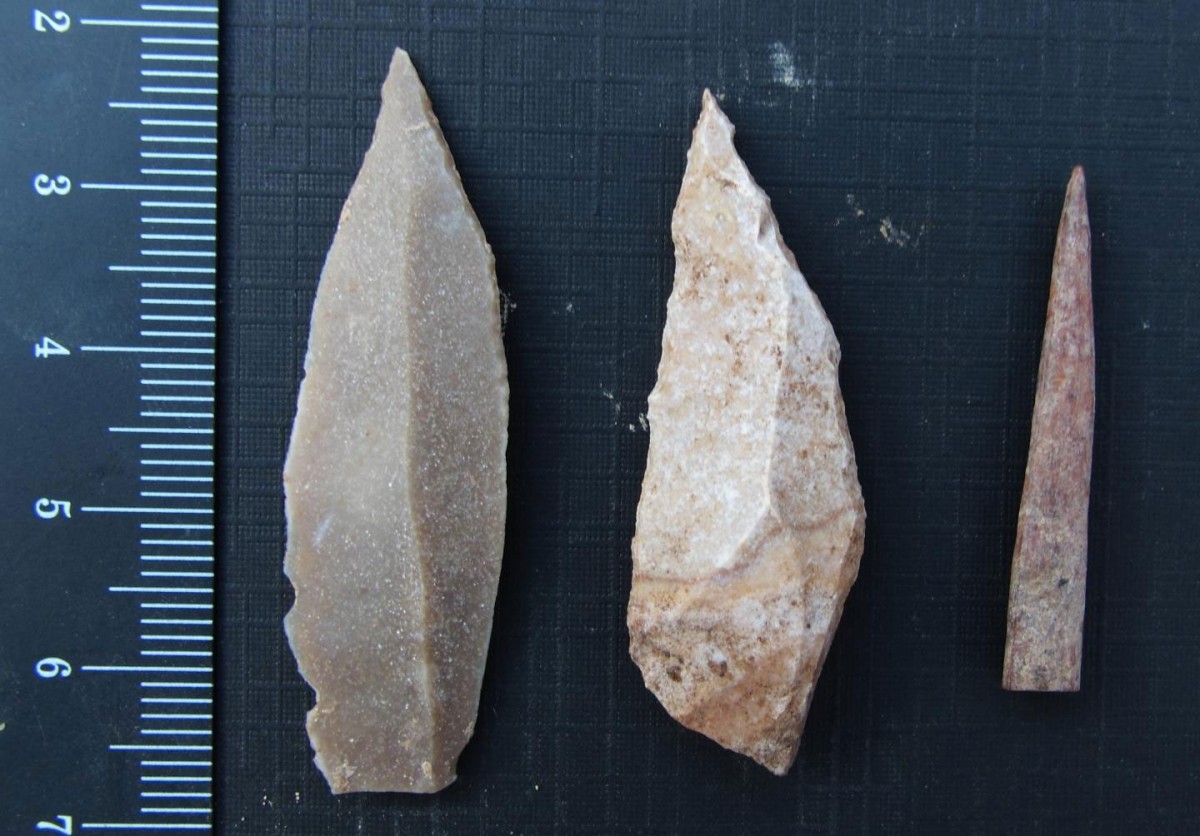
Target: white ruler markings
(177,68)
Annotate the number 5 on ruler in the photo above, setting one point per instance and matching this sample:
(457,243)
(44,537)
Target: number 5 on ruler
(48,509)
(63,824)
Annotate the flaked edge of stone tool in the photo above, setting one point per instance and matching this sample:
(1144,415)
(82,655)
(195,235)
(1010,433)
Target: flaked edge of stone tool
(751,521)
(1044,646)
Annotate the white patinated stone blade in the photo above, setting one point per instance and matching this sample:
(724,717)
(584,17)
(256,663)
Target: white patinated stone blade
(751,520)
(395,476)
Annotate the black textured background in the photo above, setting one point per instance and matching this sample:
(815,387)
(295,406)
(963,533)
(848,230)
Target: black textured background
(916,154)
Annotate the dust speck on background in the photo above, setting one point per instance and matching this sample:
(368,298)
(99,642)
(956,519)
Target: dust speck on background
(783,68)
(507,306)
(616,404)
(893,234)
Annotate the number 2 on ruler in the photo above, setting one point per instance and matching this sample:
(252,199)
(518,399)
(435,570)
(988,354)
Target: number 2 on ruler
(55,21)
(62,824)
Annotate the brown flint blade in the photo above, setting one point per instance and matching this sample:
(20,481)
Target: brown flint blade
(1049,568)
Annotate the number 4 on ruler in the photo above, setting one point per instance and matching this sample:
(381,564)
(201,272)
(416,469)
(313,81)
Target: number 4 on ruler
(50,348)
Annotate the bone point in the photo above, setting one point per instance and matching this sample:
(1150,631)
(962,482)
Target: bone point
(1049,569)
(395,474)
(751,521)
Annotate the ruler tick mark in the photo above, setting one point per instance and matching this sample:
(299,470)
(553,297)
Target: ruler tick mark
(178,74)
(118,825)
(111,509)
(176,155)
(164,558)
(180,91)
(173,606)
(176,318)
(175,204)
(176,653)
(147,24)
(153,763)
(150,478)
(157,7)
(171,56)
(195,140)
(135,349)
(163,430)
(142,669)
(186,415)
(175,447)
(180,172)
(158,39)
(165,590)
(165,574)
(176,795)
(141,268)
(144,187)
(201,302)
(173,542)
(176,462)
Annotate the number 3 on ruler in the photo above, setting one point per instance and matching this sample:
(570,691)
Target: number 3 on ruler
(45,185)
(64,824)
(56,21)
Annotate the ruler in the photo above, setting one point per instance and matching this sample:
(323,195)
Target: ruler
(107,298)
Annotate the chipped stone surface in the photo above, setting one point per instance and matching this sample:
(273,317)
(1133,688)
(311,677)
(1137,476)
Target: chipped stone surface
(1049,569)
(395,477)
(751,520)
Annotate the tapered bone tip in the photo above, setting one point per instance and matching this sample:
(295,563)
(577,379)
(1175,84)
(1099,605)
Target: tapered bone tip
(1077,188)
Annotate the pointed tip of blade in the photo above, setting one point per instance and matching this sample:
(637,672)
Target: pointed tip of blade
(712,119)
(401,59)
(710,108)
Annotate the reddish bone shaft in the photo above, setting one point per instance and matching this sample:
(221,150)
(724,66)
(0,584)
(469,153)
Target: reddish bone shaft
(1049,568)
